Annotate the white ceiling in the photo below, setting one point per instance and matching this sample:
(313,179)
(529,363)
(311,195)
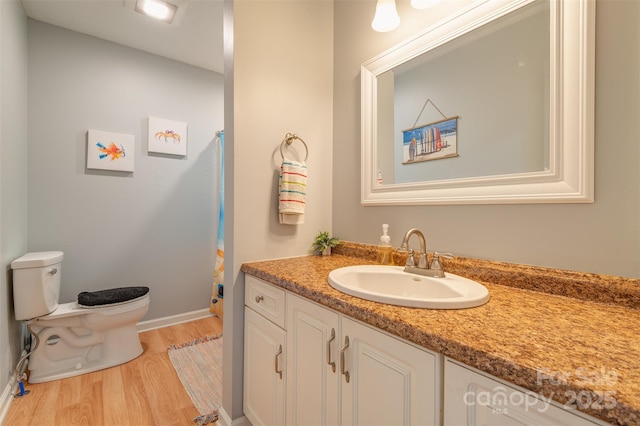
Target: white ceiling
(196,38)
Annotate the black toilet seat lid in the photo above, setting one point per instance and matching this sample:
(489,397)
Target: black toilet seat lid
(111,296)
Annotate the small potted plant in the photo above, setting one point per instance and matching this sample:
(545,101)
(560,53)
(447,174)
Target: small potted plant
(323,243)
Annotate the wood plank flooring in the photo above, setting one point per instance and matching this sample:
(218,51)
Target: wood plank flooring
(145,391)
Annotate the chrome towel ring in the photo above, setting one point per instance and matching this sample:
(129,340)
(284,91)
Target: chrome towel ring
(288,139)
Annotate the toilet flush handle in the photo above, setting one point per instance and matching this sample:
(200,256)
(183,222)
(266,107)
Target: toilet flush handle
(53,271)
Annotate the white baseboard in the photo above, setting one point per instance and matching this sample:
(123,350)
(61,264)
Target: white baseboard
(5,401)
(225,420)
(173,320)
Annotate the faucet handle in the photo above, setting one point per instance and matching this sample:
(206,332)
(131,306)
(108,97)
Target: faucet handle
(445,255)
(435,263)
(410,259)
(437,266)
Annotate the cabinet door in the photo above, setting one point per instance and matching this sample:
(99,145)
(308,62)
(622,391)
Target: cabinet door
(312,366)
(473,399)
(264,375)
(386,381)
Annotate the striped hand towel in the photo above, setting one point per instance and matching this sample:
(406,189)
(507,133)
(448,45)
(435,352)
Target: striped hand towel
(292,192)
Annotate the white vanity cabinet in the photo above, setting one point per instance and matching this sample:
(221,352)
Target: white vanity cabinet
(390,381)
(264,353)
(473,398)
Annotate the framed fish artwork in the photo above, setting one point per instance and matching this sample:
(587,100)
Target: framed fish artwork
(110,151)
(167,136)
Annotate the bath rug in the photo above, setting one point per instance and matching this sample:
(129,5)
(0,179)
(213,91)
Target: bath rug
(199,367)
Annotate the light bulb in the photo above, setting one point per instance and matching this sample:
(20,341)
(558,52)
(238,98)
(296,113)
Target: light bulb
(423,4)
(386,18)
(157,9)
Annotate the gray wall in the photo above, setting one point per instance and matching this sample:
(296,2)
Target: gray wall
(154,227)
(13,175)
(603,237)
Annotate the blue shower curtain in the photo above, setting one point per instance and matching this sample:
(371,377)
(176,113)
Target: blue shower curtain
(217,295)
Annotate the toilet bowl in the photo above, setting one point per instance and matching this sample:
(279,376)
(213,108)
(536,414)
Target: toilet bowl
(74,339)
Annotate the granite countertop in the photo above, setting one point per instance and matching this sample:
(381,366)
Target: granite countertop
(561,334)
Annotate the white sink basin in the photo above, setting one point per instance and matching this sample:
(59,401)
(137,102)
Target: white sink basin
(390,284)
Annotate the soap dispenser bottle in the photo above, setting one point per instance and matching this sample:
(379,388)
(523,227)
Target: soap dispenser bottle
(385,251)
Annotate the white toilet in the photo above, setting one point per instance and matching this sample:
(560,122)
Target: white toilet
(74,339)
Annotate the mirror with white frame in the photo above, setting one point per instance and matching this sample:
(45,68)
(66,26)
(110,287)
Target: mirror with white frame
(493,105)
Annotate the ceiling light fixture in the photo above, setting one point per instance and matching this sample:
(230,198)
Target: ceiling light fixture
(157,9)
(386,17)
(424,4)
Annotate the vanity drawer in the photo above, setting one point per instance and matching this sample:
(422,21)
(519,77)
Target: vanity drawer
(266,299)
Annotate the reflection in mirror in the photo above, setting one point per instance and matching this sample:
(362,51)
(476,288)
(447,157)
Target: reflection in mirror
(495,79)
(494,105)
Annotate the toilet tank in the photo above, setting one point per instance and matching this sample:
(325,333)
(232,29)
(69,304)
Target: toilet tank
(36,283)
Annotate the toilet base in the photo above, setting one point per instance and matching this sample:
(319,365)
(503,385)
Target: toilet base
(75,341)
(54,359)
(90,367)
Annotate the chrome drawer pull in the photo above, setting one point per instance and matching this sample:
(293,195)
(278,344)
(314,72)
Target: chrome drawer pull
(331,339)
(344,348)
(278,371)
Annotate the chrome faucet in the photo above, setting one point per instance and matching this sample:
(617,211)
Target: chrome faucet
(422,254)
(422,267)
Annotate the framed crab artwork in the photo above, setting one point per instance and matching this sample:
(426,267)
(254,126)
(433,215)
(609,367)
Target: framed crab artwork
(167,136)
(110,151)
